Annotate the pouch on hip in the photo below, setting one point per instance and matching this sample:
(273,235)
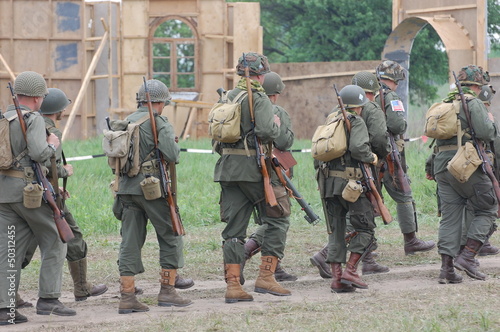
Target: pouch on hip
(151,188)
(352,191)
(32,196)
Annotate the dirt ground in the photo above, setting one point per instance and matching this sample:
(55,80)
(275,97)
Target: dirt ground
(100,313)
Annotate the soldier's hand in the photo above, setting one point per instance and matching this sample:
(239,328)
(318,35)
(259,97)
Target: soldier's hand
(53,139)
(375,159)
(277,120)
(176,139)
(69,169)
(64,193)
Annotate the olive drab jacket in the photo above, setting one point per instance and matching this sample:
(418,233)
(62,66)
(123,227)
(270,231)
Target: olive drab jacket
(232,167)
(374,119)
(61,171)
(37,150)
(485,130)
(395,116)
(286,137)
(166,143)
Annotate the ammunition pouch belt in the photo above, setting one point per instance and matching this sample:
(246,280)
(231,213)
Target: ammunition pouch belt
(447,148)
(150,167)
(13,173)
(350,173)
(239,152)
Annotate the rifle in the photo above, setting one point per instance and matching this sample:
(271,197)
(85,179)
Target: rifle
(485,161)
(168,191)
(371,188)
(49,195)
(394,158)
(310,216)
(261,157)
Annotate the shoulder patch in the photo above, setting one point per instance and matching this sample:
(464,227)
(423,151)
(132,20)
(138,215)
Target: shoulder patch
(397,106)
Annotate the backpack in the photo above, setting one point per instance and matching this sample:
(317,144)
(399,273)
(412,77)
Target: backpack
(441,120)
(330,140)
(121,145)
(224,119)
(7,160)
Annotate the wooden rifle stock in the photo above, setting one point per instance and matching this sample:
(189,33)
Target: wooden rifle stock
(65,232)
(261,157)
(178,228)
(367,174)
(485,165)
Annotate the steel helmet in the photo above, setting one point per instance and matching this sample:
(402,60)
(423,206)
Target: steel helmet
(30,84)
(55,102)
(273,84)
(257,63)
(158,92)
(486,94)
(367,81)
(353,96)
(473,75)
(391,70)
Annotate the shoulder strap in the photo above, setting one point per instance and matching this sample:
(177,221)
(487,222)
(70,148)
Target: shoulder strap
(239,96)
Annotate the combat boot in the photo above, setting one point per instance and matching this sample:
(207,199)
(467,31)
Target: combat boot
(337,286)
(128,301)
(265,282)
(183,283)
(251,249)
(488,249)
(20,303)
(465,261)
(8,318)
(81,287)
(370,266)
(234,291)
(47,306)
(350,276)
(168,295)
(448,274)
(281,275)
(413,244)
(319,260)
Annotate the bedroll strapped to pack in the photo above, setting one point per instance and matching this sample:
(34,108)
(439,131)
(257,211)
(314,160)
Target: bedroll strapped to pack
(330,140)
(224,119)
(441,120)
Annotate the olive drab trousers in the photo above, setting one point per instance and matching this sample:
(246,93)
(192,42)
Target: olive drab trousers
(405,209)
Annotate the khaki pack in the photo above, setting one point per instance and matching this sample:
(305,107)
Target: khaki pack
(121,146)
(441,120)
(224,119)
(330,141)
(7,160)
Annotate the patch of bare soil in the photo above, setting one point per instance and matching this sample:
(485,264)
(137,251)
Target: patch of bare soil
(101,313)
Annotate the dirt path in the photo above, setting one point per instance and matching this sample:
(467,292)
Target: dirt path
(208,298)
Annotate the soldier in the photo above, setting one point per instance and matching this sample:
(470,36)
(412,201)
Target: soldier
(390,73)
(242,187)
(134,210)
(456,195)
(273,85)
(374,119)
(333,177)
(29,224)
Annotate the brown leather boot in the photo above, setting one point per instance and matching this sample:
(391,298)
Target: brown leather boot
(183,283)
(319,260)
(448,274)
(488,249)
(281,275)
(350,276)
(251,249)
(234,291)
(465,261)
(337,286)
(265,282)
(168,295)
(10,318)
(413,244)
(128,301)
(370,266)
(20,303)
(81,287)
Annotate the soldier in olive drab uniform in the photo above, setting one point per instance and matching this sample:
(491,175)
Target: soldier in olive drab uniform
(242,188)
(455,195)
(333,178)
(28,224)
(390,73)
(52,109)
(374,119)
(273,85)
(134,210)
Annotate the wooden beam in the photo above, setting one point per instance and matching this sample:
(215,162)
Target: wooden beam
(6,65)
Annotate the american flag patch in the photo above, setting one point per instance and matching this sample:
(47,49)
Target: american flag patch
(397,106)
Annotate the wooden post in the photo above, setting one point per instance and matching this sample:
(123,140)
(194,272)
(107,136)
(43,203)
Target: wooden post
(6,65)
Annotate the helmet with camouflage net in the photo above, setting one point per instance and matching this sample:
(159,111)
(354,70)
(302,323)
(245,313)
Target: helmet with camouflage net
(391,70)
(55,102)
(257,64)
(486,94)
(367,81)
(30,84)
(158,92)
(353,96)
(473,75)
(273,84)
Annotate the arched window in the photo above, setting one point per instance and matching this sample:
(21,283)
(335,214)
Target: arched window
(173,55)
